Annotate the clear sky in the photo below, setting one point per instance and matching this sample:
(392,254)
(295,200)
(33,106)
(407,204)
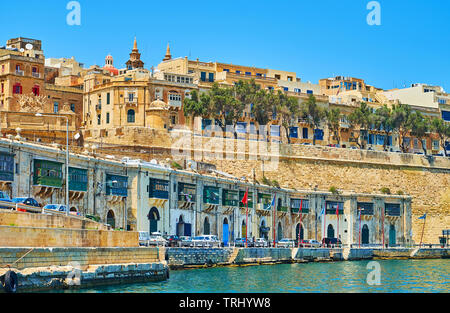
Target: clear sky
(316,39)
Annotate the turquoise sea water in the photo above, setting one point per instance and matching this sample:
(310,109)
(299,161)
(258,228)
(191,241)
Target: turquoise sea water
(395,276)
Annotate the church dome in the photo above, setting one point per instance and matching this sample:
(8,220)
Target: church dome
(158,105)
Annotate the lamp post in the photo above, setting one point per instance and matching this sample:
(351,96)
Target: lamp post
(67,154)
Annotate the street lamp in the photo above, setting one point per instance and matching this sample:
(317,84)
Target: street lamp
(67,154)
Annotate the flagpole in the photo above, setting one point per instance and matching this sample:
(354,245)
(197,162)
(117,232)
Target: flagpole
(274,214)
(423,228)
(382,228)
(337,213)
(324,223)
(246,224)
(300,227)
(359,245)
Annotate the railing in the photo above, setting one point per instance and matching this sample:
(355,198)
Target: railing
(36,75)
(26,208)
(19,72)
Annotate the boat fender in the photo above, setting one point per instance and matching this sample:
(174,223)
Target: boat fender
(10,282)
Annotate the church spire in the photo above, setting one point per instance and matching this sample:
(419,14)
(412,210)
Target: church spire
(135,44)
(168,54)
(135,58)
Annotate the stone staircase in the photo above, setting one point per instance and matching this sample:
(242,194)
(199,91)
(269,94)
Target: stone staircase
(233,255)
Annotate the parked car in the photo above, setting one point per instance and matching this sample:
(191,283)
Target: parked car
(156,239)
(212,241)
(27,201)
(61,208)
(186,241)
(144,238)
(314,243)
(206,241)
(260,242)
(303,244)
(239,242)
(330,242)
(5,198)
(286,243)
(173,241)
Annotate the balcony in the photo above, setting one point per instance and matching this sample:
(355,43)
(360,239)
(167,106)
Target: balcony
(36,75)
(282,209)
(19,73)
(133,101)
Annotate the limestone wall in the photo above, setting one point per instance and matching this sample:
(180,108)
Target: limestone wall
(12,236)
(43,257)
(194,256)
(13,218)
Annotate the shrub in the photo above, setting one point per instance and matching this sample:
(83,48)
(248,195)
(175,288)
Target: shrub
(385,190)
(334,190)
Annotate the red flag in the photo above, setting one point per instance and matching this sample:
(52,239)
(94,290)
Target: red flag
(245,199)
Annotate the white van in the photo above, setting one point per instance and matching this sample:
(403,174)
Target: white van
(144,238)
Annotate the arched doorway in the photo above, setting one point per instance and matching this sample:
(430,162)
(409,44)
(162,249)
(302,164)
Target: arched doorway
(180,226)
(153,217)
(110,219)
(263,230)
(244,230)
(206,230)
(365,235)
(301,232)
(392,235)
(280,231)
(330,231)
(225,232)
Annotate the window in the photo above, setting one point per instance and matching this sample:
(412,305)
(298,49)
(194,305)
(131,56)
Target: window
(72,107)
(309,92)
(174,97)
(3,88)
(285,88)
(289,78)
(442,101)
(436,145)
(131,116)
(35,90)
(248,73)
(226,70)
(277,76)
(99,119)
(305,133)
(297,90)
(108,98)
(203,76)
(17,89)
(446,116)
(319,134)
(55,107)
(159,189)
(131,97)
(211,77)
(293,132)
(107,118)
(238,72)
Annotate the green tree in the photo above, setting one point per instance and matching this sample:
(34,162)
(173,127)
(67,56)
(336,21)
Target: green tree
(313,114)
(420,126)
(245,94)
(443,130)
(383,123)
(334,123)
(360,120)
(197,105)
(263,107)
(288,110)
(401,122)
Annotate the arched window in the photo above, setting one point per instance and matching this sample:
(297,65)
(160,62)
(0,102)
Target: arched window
(110,219)
(131,116)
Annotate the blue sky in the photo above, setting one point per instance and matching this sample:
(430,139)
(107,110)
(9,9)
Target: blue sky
(315,39)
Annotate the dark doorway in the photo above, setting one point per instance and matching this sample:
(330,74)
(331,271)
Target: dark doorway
(225,232)
(330,231)
(263,231)
(301,232)
(206,230)
(110,219)
(180,226)
(153,218)
(392,236)
(365,235)
(243,229)
(280,232)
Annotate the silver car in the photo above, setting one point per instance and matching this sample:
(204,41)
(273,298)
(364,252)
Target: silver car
(286,243)
(260,242)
